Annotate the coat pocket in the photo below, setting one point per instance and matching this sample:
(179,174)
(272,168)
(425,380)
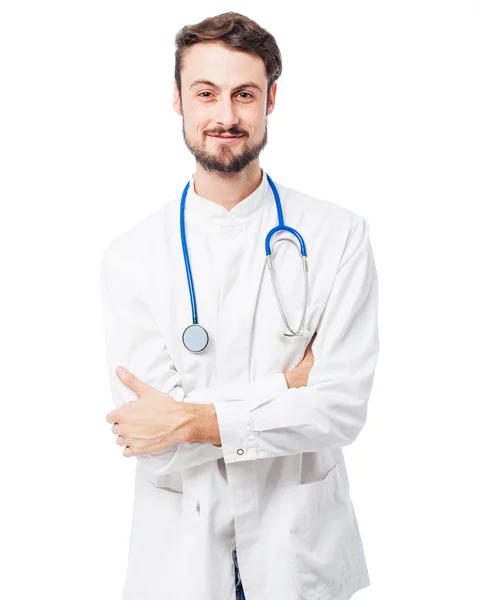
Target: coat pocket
(321,534)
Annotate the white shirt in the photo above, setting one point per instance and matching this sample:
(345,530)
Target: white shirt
(278,488)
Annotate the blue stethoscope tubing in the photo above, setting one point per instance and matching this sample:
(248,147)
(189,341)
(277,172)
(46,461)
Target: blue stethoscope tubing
(195,337)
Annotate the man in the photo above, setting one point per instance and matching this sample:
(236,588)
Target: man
(241,489)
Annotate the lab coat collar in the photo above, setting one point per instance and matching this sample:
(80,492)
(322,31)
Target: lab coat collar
(199,208)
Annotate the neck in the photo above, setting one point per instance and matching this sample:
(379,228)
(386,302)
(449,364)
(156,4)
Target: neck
(227,189)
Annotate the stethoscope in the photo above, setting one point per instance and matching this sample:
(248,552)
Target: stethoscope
(195,337)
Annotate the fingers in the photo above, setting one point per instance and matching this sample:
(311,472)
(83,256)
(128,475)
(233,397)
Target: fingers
(130,380)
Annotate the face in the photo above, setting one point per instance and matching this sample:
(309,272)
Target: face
(223,94)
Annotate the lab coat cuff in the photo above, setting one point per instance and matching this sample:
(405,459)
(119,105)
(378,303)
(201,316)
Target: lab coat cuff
(238,438)
(236,431)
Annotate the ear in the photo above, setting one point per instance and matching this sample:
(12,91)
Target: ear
(271,99)
(177,100)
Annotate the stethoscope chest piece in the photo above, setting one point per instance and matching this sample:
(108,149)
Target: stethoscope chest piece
(195,338)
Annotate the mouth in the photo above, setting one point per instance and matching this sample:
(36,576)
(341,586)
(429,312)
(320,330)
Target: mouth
(225,139)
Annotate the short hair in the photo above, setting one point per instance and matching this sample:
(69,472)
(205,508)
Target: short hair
(236,32)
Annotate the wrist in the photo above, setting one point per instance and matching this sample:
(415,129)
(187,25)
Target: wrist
(201,424)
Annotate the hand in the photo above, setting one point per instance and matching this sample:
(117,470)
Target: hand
(299,376)
(150,424)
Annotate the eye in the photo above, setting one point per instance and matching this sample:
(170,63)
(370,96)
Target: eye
(248,95)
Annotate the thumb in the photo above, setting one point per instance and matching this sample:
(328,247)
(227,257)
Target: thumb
(130,380)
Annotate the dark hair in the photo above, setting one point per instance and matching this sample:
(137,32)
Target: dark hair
(236,32)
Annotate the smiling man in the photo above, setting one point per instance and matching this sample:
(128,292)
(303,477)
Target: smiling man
(238,375)
(225,123)
(234,138)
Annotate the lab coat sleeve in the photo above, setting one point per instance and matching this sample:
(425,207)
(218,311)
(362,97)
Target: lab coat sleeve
(132,339)
(331,410)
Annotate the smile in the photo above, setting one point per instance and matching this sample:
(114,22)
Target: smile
(225,139)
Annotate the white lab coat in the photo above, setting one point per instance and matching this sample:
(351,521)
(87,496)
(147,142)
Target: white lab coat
(277,489)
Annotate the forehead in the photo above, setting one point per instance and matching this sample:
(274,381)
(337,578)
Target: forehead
(225,67)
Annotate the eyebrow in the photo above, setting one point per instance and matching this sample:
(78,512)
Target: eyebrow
(250,84)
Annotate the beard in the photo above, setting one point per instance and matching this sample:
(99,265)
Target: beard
(224,159)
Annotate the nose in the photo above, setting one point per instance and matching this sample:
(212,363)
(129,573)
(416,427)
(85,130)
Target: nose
(226,113)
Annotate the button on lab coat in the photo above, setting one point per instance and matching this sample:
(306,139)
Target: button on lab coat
(277,489)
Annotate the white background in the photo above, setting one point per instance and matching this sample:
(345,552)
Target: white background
(376,110)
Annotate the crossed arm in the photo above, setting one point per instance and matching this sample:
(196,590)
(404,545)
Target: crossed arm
(267,417)
(156,421)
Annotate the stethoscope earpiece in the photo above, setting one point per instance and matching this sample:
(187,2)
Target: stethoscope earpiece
(304,333)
